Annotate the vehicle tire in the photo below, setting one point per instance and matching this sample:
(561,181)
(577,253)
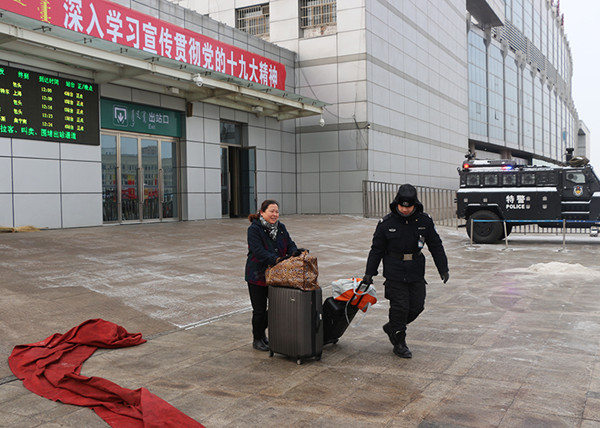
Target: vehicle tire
(485,232)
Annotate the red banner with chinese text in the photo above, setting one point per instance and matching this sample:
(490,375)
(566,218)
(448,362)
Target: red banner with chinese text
(121,25)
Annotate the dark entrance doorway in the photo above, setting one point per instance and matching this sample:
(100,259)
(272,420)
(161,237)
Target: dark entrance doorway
(238,173)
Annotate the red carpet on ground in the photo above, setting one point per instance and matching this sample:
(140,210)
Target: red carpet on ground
(51,368)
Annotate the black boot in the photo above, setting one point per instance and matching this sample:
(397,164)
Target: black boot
(391,333)
(398,339)
(401,349)
(260,345)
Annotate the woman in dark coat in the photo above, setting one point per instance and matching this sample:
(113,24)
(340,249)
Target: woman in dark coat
(268,243)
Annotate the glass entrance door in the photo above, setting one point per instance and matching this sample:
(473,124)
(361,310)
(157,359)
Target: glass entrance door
(110,175)
(139,178)
(168,180)
(130,179)
(150,195)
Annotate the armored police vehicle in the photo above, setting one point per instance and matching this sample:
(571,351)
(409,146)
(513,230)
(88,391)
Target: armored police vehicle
(495,190)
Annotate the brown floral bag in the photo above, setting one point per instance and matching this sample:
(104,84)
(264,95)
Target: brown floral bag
(296,272)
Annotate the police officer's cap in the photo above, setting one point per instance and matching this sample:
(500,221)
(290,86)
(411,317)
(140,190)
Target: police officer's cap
(407,195)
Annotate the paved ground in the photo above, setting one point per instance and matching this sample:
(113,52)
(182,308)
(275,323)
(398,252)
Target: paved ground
(511,341)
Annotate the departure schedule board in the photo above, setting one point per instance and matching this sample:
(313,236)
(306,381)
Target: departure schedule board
(39,106)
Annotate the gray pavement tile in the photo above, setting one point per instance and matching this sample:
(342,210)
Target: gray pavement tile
(549,400)
(535,420)
(461,414)
(78,417)
(592,409)
(29,405)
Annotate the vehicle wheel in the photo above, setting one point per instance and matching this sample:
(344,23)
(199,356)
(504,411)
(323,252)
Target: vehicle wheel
(486,232)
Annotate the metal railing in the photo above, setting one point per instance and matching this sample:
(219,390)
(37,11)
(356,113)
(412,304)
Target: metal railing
(534,229)
(438,203)
(588,226)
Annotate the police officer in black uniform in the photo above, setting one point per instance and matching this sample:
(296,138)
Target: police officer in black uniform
(398,239)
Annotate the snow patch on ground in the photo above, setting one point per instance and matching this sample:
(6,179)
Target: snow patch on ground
(558,269)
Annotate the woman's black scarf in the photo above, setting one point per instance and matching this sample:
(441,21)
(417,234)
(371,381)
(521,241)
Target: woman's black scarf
(270,227)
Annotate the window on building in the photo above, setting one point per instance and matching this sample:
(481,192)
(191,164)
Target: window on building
(231,133)
(253,20)
(478,103)
(317,13)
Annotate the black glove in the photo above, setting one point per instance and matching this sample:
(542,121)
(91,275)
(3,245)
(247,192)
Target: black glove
(367,279)
(298,252)
(280,259)
(445,276)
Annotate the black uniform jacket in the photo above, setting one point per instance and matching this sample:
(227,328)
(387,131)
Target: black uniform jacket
(395,236)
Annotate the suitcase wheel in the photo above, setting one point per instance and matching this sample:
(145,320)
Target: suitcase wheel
(270,353)
(318,357)
(299,361)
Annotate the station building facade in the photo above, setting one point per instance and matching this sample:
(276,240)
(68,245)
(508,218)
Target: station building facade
(411,85)
(205,108)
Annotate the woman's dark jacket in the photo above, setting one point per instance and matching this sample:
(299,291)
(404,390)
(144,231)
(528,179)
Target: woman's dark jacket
(264,251)
(396,235)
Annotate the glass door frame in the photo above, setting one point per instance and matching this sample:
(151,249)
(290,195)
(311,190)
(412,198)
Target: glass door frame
(225,181)
(140,177)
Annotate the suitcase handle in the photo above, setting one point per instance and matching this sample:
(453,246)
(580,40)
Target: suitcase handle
(360,290)
(318,321)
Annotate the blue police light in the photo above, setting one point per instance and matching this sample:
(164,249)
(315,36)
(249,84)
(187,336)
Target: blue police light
(507,167)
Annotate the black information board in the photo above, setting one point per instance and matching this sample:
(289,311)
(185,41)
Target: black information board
(37,106)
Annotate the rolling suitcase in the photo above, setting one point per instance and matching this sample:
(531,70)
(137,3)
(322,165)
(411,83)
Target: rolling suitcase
(295,322)
(337,316)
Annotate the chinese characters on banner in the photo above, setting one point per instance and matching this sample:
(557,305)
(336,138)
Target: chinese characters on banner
(124,26)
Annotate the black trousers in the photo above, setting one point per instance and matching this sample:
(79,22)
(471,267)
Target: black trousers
(259,296)
(407,301)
